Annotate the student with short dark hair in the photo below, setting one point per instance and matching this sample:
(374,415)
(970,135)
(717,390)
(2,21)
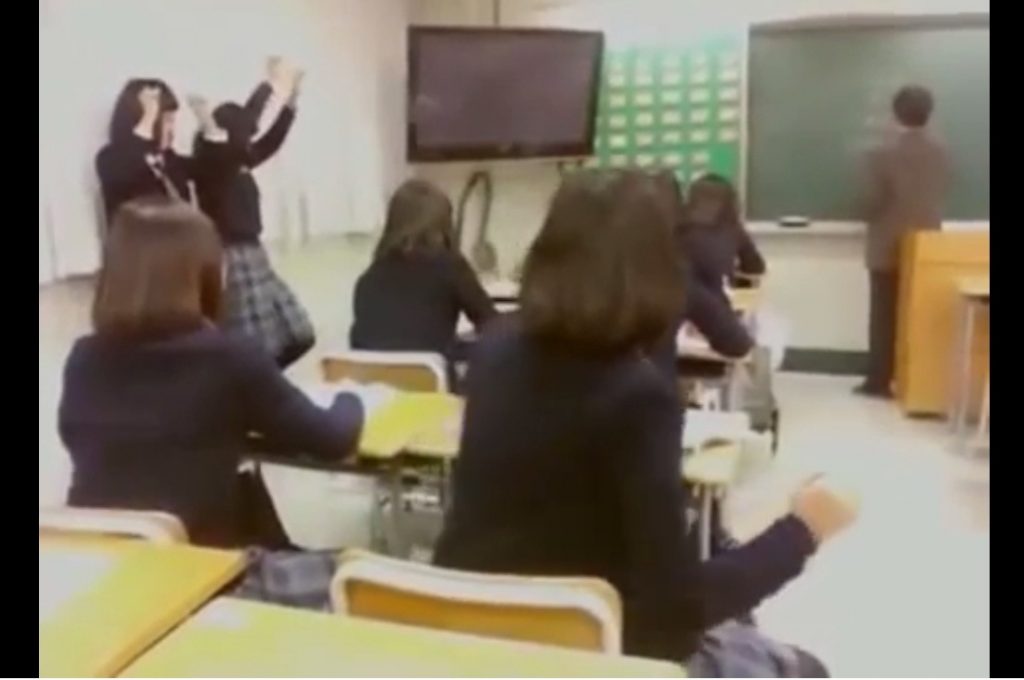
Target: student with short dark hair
(569,462)
(158,403)
(718,243)
(906,182)
(411,295)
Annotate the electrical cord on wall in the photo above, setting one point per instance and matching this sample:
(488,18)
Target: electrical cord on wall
(482,253)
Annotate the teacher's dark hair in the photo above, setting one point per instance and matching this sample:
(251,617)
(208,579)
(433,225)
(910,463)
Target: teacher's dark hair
(602,277)
(128,109)
(419,221)
(161,272)
(913,106)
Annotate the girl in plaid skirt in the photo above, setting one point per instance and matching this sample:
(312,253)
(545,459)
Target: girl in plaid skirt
(258,303)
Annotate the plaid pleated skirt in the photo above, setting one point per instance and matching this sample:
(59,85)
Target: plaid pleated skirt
(259,304)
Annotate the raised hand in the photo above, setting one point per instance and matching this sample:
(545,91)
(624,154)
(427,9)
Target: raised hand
(149,99)
(824,509)
(275,67)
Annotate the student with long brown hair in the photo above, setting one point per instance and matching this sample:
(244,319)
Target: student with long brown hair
(569,462)
(158,402)
(411,296)
(719,245)
(139,158)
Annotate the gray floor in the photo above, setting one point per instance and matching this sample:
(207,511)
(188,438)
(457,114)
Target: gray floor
(904,593)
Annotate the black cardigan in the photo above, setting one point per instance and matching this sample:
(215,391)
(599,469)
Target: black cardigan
(163,425)
(570,465)
(716,253)
(125,175)
(412,303)
(225,187)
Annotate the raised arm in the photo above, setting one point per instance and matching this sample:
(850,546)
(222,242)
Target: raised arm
(270,142)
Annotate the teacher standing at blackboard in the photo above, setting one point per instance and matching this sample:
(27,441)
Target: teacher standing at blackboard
(907,180)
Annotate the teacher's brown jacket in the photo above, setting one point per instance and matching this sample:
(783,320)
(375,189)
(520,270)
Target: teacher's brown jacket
(907,182)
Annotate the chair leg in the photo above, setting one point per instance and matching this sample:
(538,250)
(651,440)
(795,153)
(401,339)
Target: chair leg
(983,433)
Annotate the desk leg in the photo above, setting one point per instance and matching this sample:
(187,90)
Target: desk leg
(397,538)
(963,377)
(705,521)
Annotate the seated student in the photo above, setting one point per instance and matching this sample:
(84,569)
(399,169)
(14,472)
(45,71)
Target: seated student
(713,232)
(411,296)
(158,402)
(569,462)
(704,306)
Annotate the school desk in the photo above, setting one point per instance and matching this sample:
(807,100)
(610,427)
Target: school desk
(710,470)
(102,601)
(974,299)
(235,638)
(690,344)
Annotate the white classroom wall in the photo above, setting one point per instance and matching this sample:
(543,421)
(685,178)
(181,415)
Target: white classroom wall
(342,159)
(832,313)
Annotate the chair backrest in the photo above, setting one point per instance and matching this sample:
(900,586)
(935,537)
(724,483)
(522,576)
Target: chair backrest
(409,371)
(582,613)
(157,527)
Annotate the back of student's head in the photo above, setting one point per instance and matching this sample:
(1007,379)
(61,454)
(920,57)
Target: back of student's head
(419,221)
(602,276)
(712,202)
(161,272)
(912,106)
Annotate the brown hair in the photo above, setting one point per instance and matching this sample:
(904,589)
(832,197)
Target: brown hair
(712,200)
(912,106)
(161,271)
(602,276)
(419,221)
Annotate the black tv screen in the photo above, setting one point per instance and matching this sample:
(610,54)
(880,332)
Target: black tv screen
(490,93)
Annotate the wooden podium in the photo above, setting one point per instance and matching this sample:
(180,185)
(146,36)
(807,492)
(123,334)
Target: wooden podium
(931,264)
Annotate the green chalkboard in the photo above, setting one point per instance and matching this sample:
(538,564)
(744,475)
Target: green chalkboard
(677,107)
(819,97)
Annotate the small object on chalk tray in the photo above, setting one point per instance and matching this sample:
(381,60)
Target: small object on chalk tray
(793,222)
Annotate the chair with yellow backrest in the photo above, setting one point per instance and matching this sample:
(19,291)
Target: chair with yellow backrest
(409,371)
(158,527)
(582,613)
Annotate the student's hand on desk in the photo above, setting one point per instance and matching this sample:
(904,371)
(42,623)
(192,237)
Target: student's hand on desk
(824,509)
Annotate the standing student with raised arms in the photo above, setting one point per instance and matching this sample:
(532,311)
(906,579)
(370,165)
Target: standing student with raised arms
(569,462)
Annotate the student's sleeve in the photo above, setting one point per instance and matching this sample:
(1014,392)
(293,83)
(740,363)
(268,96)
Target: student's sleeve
(117,170)
(712,315)
(267,145)
(473,299)
(287,418)
(749,259)
(257,102)
(670,588)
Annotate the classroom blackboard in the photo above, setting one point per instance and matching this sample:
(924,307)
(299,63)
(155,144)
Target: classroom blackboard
(676,106)
(820,96)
